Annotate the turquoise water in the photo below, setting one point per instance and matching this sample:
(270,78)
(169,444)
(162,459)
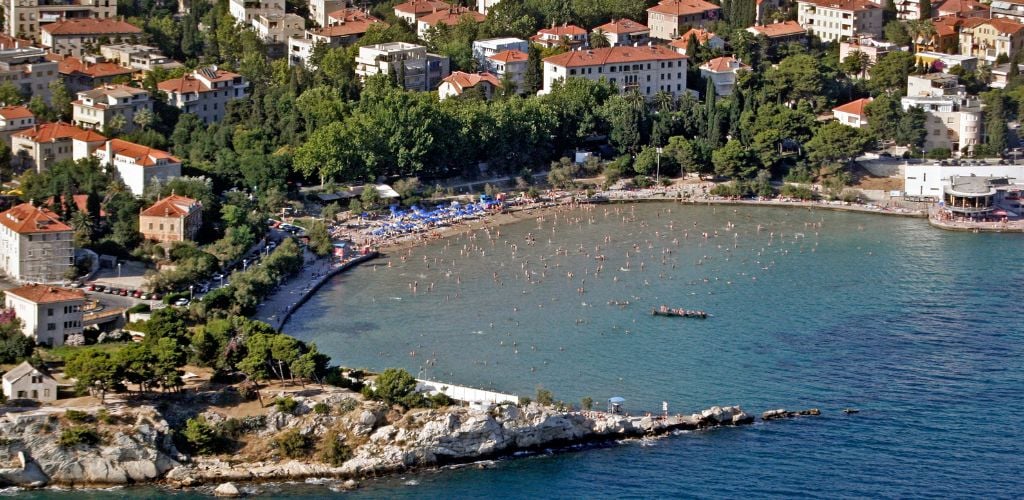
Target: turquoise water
(918,328)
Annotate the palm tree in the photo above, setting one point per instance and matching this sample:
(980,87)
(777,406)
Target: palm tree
(83,225)
(635,100)
(598,40)
(664,102)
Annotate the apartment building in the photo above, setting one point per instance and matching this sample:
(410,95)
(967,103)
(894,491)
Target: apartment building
(509,66)
(24,18)
(955,120)
(138,165)
(245,10)
(205,92)
(839,20)
(345,27)
(142,58)
(40,146)
(13,119)
(624,32)
(671,18)
(987,39)
(319,9)
(1008,9)
(26,67)
(414,9)
(48,314)
(174,218)
(96,109)
(35,246)
(570,35)
(643,69)
(723,72)
(275,29)
(75,37)
(450,17)
(409,64)
(81,74)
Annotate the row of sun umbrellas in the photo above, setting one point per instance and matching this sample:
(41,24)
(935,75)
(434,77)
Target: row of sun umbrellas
(419,219)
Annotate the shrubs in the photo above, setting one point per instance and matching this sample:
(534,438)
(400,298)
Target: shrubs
(545,397)
(78,417)
(286,405)
(335,451)
(796,191)
(395,386)
(78,435)
(200,437)
(346,405)
(293,444)
(321,408)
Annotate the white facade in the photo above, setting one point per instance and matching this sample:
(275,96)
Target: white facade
(647,70)
(141,57)
(723,71)
(138,165)
(23,18)
(838,20)
(483,50)
(482,6)
(27,68)
(96,108)
(929,179)
(48,314)
(955,120)
(417,69)
(274,28)
(245,10)
(319,9)
(205,92)
(26,382)
(35,245)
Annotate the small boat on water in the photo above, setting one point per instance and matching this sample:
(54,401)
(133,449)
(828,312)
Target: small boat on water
(618,302)
(679,312)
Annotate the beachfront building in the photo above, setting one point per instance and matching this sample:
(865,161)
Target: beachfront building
(647,70)
(26,67)
(838,20)
(458,82)
(40,146)
(779,33)
(98,108)
(704,38)
(144,58)
(49,314)
(414,9)
(23,18)
(344,28)
(623,32)
(138,165)
(723,72)
(954,119)
(26,382)
(852,113)
(13,119)
(411,65)
(84,74)
(206,92)
(987,39)
(930,179)
(35,246)
(449,17)
(76,37)
(671,18)
(174,218)
(568,35)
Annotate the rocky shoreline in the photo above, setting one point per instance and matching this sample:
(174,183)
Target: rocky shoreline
(141,450)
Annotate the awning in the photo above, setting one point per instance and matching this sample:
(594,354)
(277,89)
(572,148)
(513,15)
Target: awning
(616,400)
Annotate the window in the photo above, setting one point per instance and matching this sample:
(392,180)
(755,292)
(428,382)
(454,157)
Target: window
(37,379)
(49,311)
(51,327)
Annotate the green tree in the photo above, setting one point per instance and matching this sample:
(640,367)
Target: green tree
(10,95)
(598,39)
(896,32)
(60,100)
(395,386)
(856,63)
(93,370)
(834,142)
(733,160)
(319,239)
(200,437)
(889,74)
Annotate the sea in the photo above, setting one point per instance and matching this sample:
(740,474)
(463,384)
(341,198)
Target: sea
(918,329)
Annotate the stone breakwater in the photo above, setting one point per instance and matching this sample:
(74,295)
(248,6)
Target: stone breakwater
(139,449)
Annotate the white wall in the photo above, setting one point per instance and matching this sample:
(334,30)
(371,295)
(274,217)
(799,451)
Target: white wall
(928,179)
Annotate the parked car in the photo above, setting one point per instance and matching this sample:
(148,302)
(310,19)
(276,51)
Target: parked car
(112,291)
(182,302)
(92,287)
(155,296)
(123,292)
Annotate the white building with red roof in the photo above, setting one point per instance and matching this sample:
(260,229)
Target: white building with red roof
(670,18)
(40,146)
(96,109)
(14,118)
(23,18)
(703,37)
(138,165)
(623,32)
(205,92)
(852,113)
(723,71)
(647,70)
(510,65)
(458,82)
(80,75)
(412,10)
(344,28)
(174,218)
(49,314)
(570,35)
(782,32)
(319,10)
(450,17)
(837,20)
(35,245)
(67,37)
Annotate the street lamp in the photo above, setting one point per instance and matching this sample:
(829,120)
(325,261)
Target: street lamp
(190,294)
(119,270)
(245,264)
(657,175)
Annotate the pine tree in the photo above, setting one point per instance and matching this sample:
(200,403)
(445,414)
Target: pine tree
(532,79)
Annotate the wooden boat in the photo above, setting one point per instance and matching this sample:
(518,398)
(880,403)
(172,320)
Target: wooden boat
(679,313)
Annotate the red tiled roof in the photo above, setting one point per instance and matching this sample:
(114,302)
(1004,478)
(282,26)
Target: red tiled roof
(90,26)
(452,16)
(507,56)
(348,22)
(947,25)
(73,65)
(29,219)
(1004,26)
(15,112)
(563,30)
(702,37)
(850,5)
(619,26)
(775,30)
(612,55)
(9,42)
(723,64)
(961,7)
(45,294)
(142,155)
(463,81)
(81,203)
(50,132)
(189,83)
(171,206)
(854,107)
(683,7)
(421,7)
